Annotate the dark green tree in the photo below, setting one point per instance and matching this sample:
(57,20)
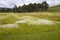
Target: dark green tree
(30,7)
(25,8)
(15,9)
(35,7)
(45,6)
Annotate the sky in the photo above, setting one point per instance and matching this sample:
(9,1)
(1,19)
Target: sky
(11,3)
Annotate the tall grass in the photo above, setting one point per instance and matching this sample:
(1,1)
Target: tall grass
(30,32)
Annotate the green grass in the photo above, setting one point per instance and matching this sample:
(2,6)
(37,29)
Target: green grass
(30,32)
(54,9)
(8,19)
(36,36)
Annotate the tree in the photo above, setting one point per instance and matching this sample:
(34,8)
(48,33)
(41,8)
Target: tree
(15,9)
(45,5)
(19,9)
(30,7)
(35,7)
(25,8)
(39,6)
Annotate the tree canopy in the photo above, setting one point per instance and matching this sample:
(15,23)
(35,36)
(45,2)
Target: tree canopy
(32,7)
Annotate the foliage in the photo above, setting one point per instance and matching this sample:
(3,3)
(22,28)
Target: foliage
(30,32)
(32,7)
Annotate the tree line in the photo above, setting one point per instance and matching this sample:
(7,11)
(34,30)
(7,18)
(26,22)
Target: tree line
(29,8)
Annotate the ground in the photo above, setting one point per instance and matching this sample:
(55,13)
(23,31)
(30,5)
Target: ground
(30,26)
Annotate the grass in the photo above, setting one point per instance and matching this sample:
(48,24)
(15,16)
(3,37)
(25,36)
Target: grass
(8,19)
(36,36)
(54,9)
(30,32)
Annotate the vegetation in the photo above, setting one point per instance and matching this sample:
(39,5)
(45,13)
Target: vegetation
(54,9)
(28,8)
(30,32)
(32,7)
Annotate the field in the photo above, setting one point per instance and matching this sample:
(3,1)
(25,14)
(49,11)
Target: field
(54,9)
(30,26)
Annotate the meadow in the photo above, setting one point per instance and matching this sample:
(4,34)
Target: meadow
(27,31)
